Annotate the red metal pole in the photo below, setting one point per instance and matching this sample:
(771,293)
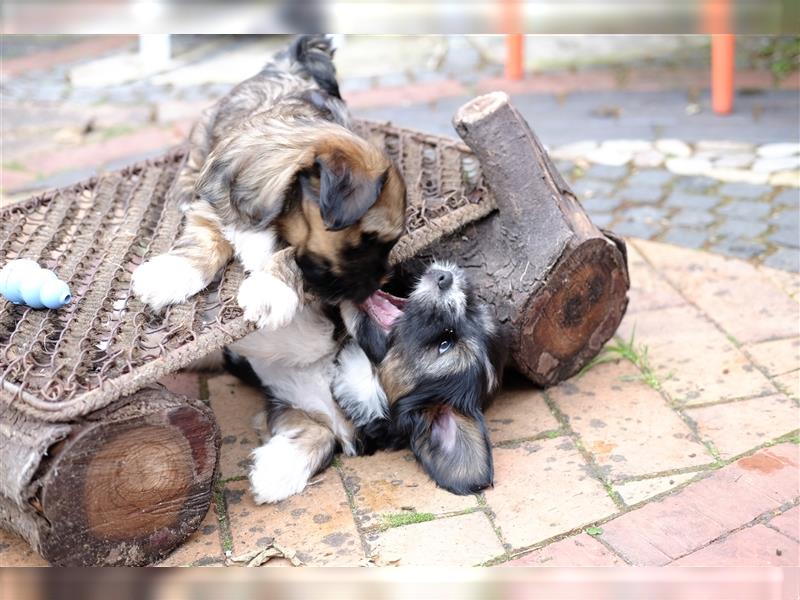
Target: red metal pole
(514,56)
(723,58)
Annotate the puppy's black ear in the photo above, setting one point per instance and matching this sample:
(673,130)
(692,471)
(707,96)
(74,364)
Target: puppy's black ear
(344,197)
(454,449)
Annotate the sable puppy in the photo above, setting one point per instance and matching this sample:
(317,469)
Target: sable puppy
(273,164)
(439,358)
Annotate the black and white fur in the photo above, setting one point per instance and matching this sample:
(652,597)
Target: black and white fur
(342,379)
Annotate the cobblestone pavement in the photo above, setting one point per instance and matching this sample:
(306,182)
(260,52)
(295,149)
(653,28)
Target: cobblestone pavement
(689,457)
(649,158)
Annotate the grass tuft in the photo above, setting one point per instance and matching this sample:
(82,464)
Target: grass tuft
(406,518)
(636,354)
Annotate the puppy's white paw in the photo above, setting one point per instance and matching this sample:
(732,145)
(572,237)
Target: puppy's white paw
(267,301)
(166,279)
(280,469)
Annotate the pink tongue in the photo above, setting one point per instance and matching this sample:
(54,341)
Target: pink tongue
(383,308)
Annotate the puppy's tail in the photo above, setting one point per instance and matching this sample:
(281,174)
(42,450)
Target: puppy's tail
(314,54)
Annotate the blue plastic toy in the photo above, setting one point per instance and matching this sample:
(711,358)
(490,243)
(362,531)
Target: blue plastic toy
(23,281)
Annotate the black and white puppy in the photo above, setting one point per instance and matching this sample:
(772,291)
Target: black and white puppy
(416,372)
(438,357)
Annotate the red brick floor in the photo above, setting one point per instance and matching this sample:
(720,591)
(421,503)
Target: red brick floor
(696,467)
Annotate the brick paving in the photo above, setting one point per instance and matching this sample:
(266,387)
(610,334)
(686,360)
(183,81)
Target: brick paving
(689,458)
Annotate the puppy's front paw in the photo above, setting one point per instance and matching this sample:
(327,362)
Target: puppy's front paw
(267,301)
(280,469)
(166,279)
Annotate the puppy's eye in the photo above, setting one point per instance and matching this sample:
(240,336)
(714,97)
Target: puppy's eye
(446,342)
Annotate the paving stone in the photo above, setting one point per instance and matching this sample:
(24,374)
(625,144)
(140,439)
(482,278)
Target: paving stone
(691,218)
(778,150)
(692,359)
(695,184)
(625,424)
(530,505)
(391,482)
(634,492)
(649,290)
(771,165)
(747,176)
(784,258)
(183,383)
(202,548)
(637,229)
(317,524)
(519,411)
(235,406)
(609,156)
(734,161)
(776,356)
(606,172)
(788,523)
(691,200)
(786,217)
(739,248)
(745,210)
(689,238)
(789,283)
(650,177)
(789,384)
(648,158)
(785,178)
(577,551)
(786,236)
(735,228)
(723,146)
(688,166)
(574,150)
(766,418)
(665,530)
(588,188)
(464,541)
(673,147)
(772,471)
(641,194)
(744,190)
(757,546)
(602,204)
(645,213)
(789,197)
(727,291)
(16,552)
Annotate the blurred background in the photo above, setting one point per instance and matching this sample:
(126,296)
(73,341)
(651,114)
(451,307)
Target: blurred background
(629,118)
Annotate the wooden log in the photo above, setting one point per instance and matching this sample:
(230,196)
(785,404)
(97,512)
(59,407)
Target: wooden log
(123,487)
(558,283)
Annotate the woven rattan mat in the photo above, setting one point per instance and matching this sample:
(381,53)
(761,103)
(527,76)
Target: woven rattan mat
(58,365)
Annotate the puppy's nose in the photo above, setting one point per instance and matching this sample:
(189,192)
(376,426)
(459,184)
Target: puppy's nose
(444,279)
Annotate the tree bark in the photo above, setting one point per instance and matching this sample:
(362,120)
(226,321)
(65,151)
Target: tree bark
(556,282)
(123,487)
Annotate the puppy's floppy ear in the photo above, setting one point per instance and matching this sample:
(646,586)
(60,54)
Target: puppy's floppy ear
(453,448)
(344,196)
(450,441)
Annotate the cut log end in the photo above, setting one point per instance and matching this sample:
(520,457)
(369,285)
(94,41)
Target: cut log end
(566,325)
(480,107)
(131,486)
